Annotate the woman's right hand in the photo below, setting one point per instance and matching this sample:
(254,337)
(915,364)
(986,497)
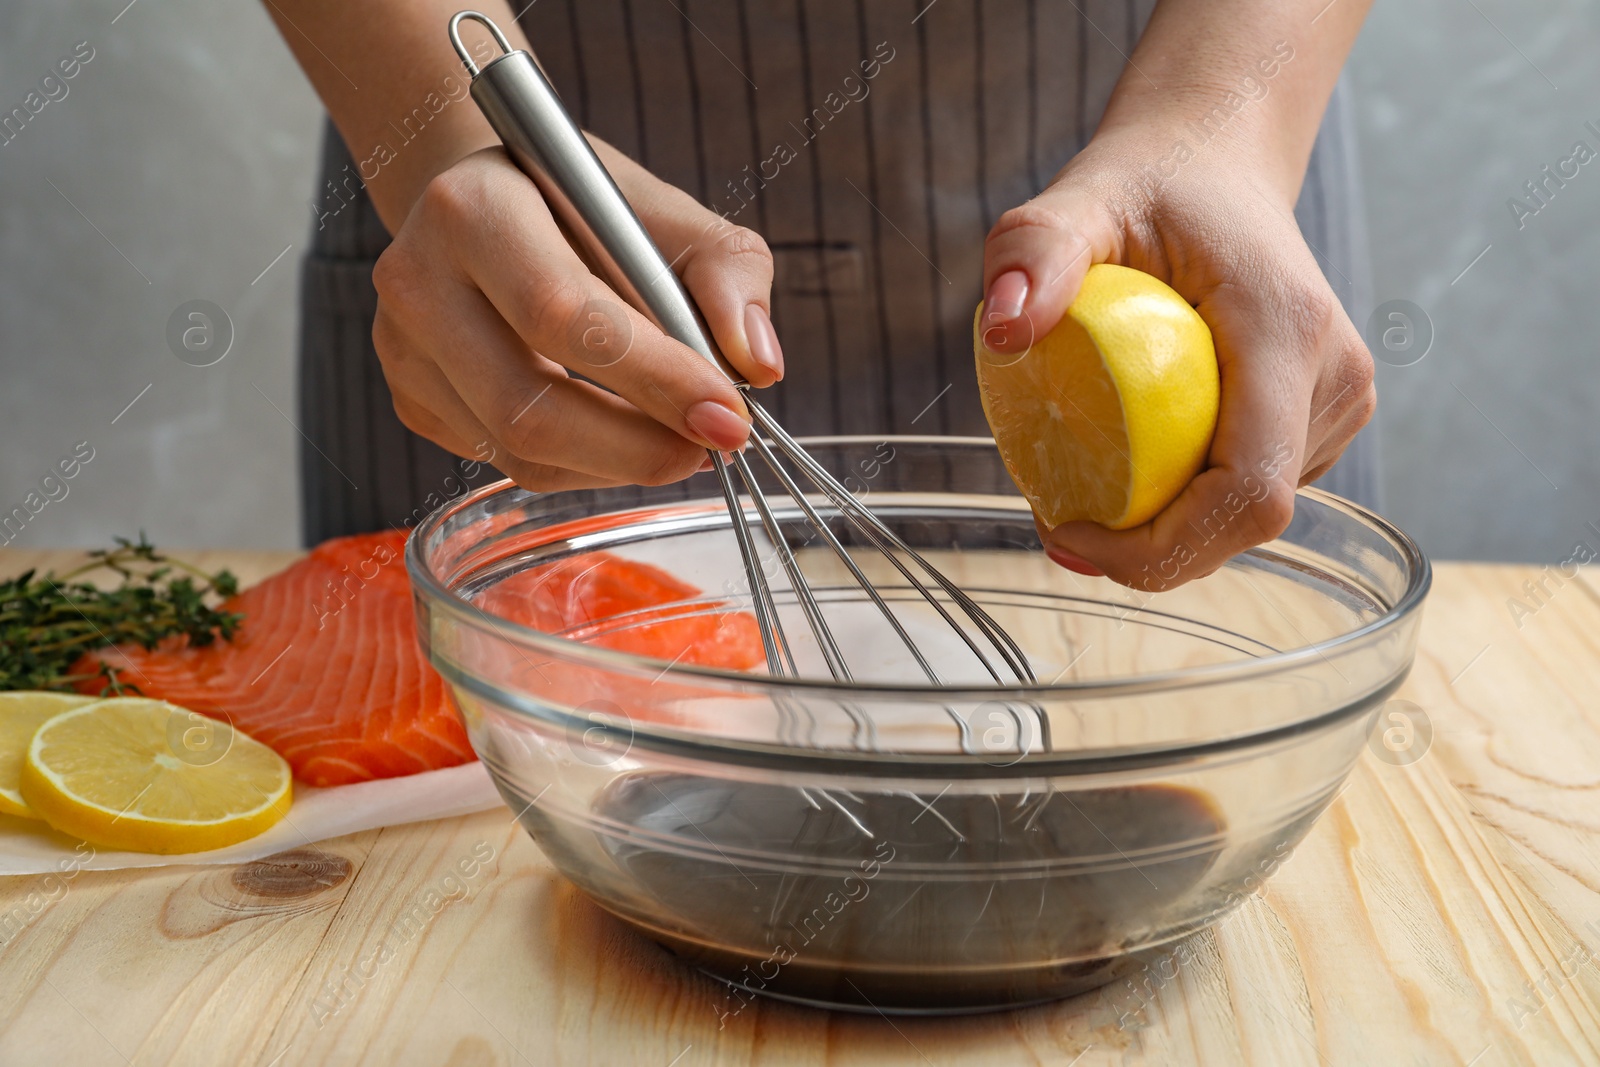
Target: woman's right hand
(487,318)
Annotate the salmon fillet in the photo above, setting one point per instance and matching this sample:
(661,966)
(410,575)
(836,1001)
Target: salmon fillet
(629,606)
(326,669)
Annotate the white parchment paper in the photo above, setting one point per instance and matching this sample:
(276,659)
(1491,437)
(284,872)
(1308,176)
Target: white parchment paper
(28,846)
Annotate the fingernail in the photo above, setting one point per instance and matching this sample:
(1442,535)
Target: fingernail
(1073,563)
(717,424)
(1006,297)
(763,339)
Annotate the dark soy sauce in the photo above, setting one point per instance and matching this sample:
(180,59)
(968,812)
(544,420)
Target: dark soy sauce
(904,902)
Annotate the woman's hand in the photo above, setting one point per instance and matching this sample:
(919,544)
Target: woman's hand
(487,318)
(1296,377)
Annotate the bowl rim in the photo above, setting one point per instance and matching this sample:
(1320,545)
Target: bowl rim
(437,593)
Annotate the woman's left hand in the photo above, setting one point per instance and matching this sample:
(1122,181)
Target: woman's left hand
(1296,376)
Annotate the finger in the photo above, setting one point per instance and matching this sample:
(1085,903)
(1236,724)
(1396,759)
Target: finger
(1266,355)
(1034,261)
(1307,477)
(449,423)
(537,477)
(441,417)
(1345,401)
(726,268)
(506,243)
(1336,441)
(534,410)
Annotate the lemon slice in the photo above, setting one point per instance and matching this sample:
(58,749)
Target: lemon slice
(127,773)
(1110,415)
(22,713)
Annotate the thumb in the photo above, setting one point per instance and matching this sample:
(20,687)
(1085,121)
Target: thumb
(726,268)
(1034,261)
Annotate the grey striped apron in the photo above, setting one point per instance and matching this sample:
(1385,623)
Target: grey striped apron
(874,193)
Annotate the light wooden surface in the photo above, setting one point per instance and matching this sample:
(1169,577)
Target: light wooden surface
(1442,912)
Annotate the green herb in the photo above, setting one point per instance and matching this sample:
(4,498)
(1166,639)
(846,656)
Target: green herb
(47,623)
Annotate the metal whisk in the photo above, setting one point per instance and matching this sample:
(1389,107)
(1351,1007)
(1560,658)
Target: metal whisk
(547,145)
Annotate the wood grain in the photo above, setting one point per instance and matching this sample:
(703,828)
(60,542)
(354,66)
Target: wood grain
(1442,912)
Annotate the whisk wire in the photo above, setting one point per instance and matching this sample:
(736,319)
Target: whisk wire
(802,588)
(780,660)
(887,542)
(813,612)
(773,644)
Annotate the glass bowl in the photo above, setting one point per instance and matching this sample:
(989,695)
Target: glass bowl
(892,844)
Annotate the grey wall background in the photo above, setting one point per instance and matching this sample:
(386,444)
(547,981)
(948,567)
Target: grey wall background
(180,163)
(188,142)
(1491,443)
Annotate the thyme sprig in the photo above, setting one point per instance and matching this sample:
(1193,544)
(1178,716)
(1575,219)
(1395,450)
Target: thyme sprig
(48,622)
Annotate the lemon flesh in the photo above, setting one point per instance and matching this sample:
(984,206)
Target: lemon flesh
(21,715)
(127,773)
(1110,415)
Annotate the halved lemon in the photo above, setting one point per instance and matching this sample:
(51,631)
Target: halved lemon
(1110,415)
(21,714)
(124,774)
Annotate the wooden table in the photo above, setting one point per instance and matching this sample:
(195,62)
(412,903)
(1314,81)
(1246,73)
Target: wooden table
(1442,912)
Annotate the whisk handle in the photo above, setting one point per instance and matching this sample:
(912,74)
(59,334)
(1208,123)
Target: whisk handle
(541,138)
